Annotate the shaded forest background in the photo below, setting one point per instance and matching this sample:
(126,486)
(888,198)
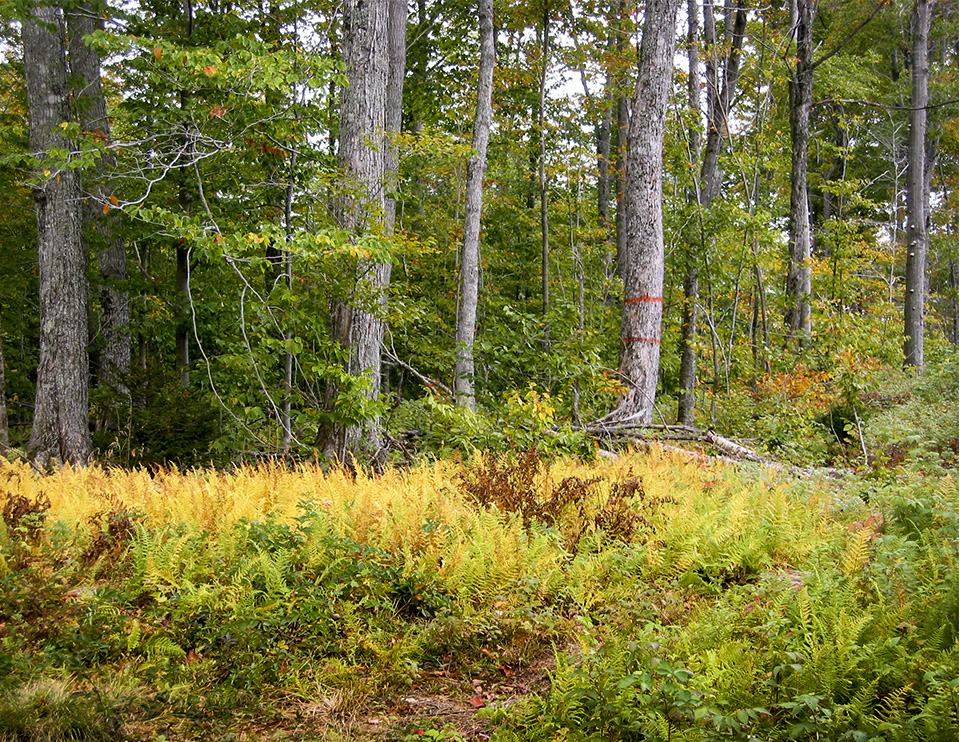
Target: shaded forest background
(214,194)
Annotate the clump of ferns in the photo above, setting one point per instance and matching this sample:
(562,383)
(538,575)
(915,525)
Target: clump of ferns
(521,484)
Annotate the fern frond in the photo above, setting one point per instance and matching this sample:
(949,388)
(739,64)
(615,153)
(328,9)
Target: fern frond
(855,556)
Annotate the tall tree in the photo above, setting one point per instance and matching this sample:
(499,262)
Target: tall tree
(363,209)
(722,71)
(917,189)
(798,285)
(4,424)
(113,356)
(642,264)
(542,185)
(60,432)
(470,259)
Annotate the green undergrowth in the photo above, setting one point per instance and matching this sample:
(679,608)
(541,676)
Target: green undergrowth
(676,601)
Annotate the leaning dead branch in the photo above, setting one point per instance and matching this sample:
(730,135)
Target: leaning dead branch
(728,451)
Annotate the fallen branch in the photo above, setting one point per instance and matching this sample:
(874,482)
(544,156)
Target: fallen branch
(730,452)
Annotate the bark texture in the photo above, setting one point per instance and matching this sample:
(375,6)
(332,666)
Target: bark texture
(363,157)
(642,263)
(113,333)
(470,259)
(917,192)
(60,432)
(721,87)
(797,318)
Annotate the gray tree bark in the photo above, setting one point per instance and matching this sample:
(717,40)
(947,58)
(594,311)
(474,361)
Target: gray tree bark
(721,86)
(798,286)
(691,287)
(642,263)
(917,190)
(363,208)
(542,179)
(463,372)
(4,423)
(90,105)
(60,432)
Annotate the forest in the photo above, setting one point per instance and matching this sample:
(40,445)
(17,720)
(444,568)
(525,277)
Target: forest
(515,371)
(234,230)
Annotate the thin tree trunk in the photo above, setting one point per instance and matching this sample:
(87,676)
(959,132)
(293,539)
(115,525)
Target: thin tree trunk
(463,373)
(4,422)
(917,191)
(184,321)
(798,288)
(286,420)
(688,330)
(60,432)
(643,262)
(542,180)
(91,107)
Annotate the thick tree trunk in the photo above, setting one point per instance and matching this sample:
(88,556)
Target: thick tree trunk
(917,192)
(90,104)
(363,208)
(643,262)
(60,432)
(470,260)
(798,288)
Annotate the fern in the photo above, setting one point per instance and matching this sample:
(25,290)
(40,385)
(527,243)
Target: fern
(157,649)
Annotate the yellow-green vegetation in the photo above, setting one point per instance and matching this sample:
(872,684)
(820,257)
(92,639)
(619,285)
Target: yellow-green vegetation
(673,596)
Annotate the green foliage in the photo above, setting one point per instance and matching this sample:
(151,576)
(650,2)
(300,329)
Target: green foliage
(916,418)
(56,711)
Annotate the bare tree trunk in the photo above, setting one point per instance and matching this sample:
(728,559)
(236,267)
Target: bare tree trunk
(470,261)
(363,208)
(721,86)
(542,180)
(798,286)
(4,422)
(60,432)
(286,420)
(643,262)
(691,290)
(917,191)
(184,321)
(91,107)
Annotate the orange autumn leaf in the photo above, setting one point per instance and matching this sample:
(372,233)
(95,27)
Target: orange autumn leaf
(106,208)
(157,52)
(210,70)
(114,200)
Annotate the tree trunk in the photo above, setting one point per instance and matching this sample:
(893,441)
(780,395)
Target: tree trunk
(363,208)
(917,193)
(60,432)
(184,319)
(4,423)
(797,318)
(542,180)
(470,261)
(643,262)
(721,86)
(90,105)
(688,330)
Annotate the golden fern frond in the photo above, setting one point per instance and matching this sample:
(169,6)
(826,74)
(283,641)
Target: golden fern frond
(856,554)
(892,706)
